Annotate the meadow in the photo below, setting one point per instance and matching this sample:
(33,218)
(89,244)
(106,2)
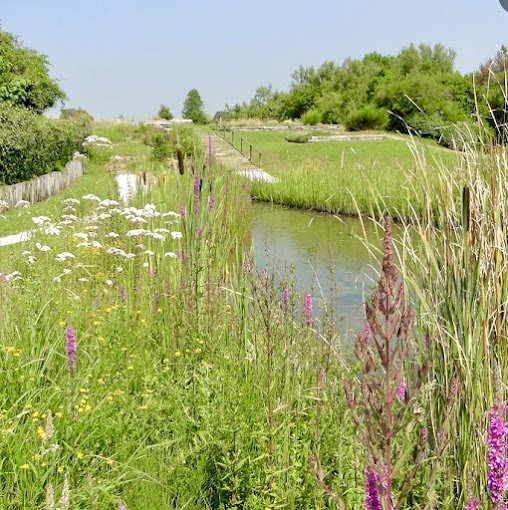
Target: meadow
(352,177)
(147,363)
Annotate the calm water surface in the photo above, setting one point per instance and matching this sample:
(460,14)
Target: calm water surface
(308,241)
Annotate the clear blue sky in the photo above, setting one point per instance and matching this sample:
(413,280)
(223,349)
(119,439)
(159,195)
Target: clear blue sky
(127,57)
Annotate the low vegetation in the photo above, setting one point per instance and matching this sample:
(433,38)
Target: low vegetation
(352,177)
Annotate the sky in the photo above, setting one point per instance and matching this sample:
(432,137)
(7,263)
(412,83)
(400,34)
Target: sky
(127,57)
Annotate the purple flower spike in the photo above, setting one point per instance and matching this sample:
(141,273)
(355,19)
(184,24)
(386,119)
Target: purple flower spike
(211,204)
(472,504)
(308,309)
(285,299)
(497,480)
(70,336)
(197,185)
(401,391)
(372,501)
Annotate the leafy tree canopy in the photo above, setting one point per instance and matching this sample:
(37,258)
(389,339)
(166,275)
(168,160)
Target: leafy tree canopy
(164,113)
(24,76)
(193,108)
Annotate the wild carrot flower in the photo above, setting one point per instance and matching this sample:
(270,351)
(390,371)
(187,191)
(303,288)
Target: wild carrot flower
(70,336)
(308,308)
(372,501)
(497,480)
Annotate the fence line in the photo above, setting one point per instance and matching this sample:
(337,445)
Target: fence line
(43,186)
(241,144)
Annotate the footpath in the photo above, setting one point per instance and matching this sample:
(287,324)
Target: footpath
(226,155)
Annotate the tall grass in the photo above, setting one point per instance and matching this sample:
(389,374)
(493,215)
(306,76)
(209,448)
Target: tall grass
(455,265)
(353,177)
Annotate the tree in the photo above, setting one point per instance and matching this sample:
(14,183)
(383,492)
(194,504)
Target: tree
(164,113)
(24,76)
(193,108)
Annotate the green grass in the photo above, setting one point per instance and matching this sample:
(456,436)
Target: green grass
(351,176)
(193,388)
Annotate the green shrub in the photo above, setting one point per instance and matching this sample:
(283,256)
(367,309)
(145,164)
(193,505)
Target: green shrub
(368,117)
(161,149)
(311,117)
(32,145)
(451,135)
(164,113)
(164,143)
(300,138)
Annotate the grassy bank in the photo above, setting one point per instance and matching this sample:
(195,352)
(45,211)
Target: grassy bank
(147,362)
(352,177)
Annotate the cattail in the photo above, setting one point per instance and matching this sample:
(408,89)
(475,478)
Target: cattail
(179,155)
(308,308)
(70,336)
(372,501)
(497,455)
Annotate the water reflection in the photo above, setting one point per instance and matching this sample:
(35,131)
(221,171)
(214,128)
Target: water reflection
(308,241)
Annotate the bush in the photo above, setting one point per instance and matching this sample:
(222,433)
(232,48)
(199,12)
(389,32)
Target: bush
(368,117)
(451,135)
(32,145)
(164,113)
(164,143)
(311,118)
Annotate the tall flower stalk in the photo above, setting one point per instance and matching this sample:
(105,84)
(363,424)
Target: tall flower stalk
(70,336)
(497,480)
(389,386)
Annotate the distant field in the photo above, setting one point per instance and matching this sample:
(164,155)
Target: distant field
(343,177)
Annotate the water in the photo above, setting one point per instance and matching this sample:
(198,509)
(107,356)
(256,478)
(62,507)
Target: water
(309,241)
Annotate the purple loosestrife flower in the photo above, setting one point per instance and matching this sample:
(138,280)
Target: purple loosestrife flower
(497,480)
(211,204)
(372,501)
(182,212)
(285,299)
(472,504)
(197,185)
(401,391)
(367,334)
(308,308)
(70,336)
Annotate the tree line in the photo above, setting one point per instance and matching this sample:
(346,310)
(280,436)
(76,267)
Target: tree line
(418,88)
